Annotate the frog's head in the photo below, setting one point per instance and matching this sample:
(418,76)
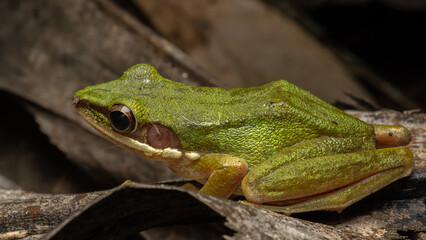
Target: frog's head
(118,109)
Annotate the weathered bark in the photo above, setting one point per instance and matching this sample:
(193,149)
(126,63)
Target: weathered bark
(25,214)
(134,207)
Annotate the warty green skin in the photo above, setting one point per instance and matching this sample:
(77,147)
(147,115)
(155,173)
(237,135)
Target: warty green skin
(250,123)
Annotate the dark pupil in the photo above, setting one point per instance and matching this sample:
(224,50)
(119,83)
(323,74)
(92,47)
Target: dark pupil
(119,120)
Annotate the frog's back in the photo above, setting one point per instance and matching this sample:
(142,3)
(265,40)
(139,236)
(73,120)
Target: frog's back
(254,123)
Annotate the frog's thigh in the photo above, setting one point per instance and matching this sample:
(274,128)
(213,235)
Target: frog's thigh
(333,182)
(225,173)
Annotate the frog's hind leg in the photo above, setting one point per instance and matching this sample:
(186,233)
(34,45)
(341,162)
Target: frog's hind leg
(342,198)
(378,168)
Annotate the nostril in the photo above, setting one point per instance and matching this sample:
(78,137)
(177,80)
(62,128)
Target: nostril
(76,100)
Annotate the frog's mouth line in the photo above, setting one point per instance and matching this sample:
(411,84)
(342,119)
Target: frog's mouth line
(142,149)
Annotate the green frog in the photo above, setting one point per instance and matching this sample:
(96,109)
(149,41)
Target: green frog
(280,146)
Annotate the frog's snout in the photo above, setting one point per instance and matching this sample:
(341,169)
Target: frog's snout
(75,101)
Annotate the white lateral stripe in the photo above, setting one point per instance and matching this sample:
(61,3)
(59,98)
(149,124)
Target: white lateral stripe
(192,156)
(171,153)
(148,149)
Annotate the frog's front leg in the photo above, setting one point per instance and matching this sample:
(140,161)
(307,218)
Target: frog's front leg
(224,173)
(322,180)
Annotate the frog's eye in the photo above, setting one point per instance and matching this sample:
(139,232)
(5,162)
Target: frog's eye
(122,119)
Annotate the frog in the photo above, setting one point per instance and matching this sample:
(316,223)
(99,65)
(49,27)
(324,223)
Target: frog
(278,146)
